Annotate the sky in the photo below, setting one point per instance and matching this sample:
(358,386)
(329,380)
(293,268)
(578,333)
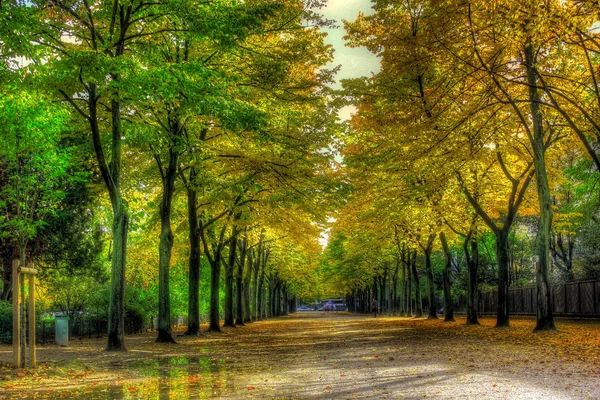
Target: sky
(355,62)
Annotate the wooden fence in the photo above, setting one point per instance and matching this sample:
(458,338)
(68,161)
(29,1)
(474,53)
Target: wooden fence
(577,298)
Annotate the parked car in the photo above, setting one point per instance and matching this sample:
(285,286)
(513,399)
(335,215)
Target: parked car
(304,308)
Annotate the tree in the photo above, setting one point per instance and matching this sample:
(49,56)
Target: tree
(35,173)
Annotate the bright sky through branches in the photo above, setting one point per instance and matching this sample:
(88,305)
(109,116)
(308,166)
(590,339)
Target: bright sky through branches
(355,62)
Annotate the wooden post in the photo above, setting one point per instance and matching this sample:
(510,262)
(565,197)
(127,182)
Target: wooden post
(16,315)
(32,274)
(16,280)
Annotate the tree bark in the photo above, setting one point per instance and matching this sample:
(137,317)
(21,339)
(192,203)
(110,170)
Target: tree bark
(116,321)
(166,239)
(408,288)
(259,291)
(215,281)
(111,174)
(241,289)
(417,286)
(396,306)
(194,261)
(249,292)
(472,266)
(544,315)
(228,320)
(502,318)
(430,283)
(448,309)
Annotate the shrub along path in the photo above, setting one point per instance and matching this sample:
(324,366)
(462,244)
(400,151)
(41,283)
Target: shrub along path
(327,355)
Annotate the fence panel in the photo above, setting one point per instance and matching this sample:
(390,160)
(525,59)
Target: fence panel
(517,295)
(572,298)
(559,299)
(586,294)
(527,304)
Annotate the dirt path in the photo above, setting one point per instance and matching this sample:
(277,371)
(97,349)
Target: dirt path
(333,356)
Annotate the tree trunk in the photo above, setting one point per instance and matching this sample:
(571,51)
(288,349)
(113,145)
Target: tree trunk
(165,246)
(116,308)
(164,303)
(241,288)
(430,282)
(215,282)
(396,306)
(472,266)
(390,294)
(194,262)
(502,318)
(448,310)
(248,295)
(544,316)
(417,287)
(229,283)
(382,292)
(408,309)
(259,293)
(111,174)
(277,302)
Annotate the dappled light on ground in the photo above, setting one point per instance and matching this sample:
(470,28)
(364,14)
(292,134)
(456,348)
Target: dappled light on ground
(315,355)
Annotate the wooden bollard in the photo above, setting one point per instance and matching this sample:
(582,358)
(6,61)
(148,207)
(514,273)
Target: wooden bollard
(16,274)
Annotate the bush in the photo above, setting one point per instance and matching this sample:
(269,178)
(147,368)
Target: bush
(5,322)
(135,318)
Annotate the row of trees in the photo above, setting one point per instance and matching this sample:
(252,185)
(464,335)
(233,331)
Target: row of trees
(205,119)
(482,121)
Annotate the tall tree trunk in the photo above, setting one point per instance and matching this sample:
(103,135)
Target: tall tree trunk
(390,293)
(408,310)
(502,318)
(430,288)
(215,283)
(241,289)
(260,293)
(165,246)
(229,283)
(272,296)
(397,306)
(376,294)
(448,310)
(430,282)
(417,286)
(382,292)
(249,293)
(116,308)
(544,316)
(472,266)
(194,261)
(277,302)
(111,174)
(263,262)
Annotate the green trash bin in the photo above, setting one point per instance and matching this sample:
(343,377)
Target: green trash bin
(62,330)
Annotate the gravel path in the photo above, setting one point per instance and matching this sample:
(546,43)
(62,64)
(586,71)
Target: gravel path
(328,356)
